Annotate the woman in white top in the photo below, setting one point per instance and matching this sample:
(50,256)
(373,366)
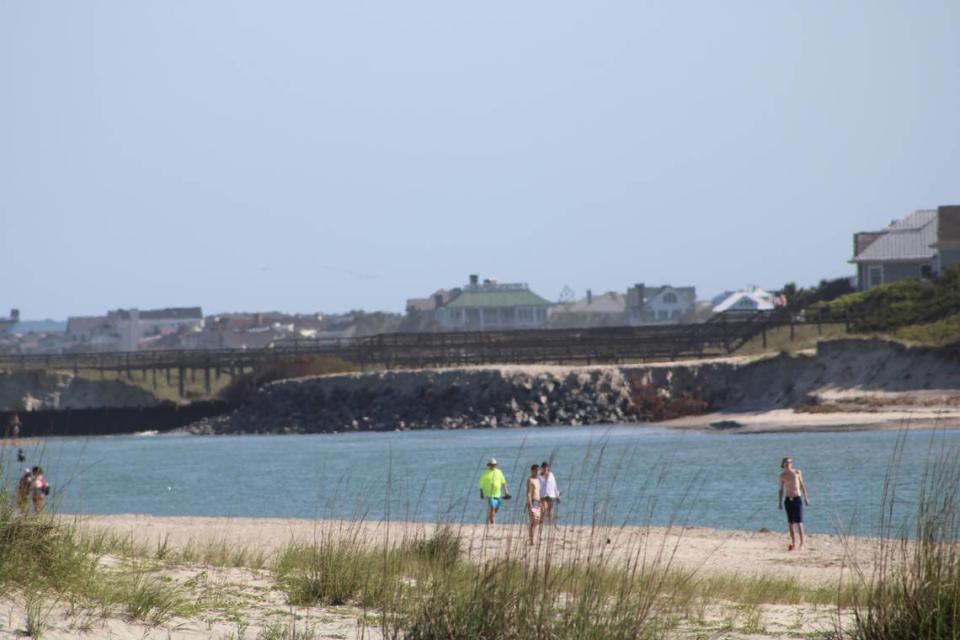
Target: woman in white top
(549,494)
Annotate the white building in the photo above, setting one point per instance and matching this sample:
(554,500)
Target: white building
(746,301)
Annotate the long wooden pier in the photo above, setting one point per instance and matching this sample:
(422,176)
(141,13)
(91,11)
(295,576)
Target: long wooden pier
(416,350)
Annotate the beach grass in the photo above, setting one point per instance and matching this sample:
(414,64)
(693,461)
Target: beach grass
(914,587)
(805,336)
(38,614)
(218,553)
(44,560)
(424,587)
(932,334)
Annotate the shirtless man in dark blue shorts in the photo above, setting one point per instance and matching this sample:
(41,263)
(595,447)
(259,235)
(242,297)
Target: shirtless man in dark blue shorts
(791,484)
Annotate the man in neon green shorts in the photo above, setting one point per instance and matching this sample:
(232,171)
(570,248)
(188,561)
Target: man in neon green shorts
(493,489)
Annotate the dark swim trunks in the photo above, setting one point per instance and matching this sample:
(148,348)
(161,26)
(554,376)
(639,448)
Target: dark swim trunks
(794,509)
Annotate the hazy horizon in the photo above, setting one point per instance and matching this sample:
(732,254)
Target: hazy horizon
(324,157)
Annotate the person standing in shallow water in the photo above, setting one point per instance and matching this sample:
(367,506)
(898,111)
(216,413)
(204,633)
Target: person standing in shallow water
(493,489)
(39,490)
(792,497)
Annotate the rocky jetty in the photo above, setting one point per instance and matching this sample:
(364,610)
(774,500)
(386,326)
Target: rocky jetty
(514,396)
(449,399)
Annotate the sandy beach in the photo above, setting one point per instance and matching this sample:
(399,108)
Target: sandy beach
(691,548)
(256,599)
(792,421)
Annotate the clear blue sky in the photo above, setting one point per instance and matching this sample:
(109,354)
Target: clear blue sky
(316,155)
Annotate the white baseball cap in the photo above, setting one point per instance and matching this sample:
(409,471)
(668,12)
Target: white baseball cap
(492,463)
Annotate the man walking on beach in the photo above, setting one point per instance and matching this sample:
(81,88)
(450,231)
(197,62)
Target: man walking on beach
(792,484)
(533,501)
(549,494)
(493,489)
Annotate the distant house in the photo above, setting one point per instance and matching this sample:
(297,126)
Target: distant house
(919,245)
(605,310)
(659,305)
(134,325)
(490,305)
(421,313)
(91,333)
(439,298)
(240,331)
(746,301)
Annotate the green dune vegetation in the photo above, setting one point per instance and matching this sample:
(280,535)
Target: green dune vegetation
(923,311)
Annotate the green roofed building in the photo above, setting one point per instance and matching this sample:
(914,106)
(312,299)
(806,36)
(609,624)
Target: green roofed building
(493,306)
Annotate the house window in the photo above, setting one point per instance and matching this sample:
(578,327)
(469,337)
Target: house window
(663,314)
(874,276)
(675,314)
(670,298)
(926,271)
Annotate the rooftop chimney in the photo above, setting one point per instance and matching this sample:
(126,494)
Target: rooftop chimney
(589,296)
(474,279)
(641,293)
(948,226)
(437,300)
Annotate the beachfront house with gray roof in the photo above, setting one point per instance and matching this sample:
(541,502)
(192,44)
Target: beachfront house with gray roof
(919,245)
(660,305)
(602,310)
(489,305)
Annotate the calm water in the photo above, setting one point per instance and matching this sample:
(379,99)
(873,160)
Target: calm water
(610,475)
